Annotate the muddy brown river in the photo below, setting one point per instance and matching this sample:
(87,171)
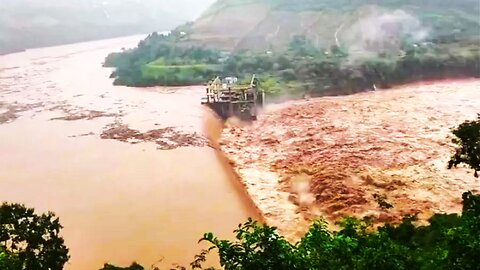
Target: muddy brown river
(95,154)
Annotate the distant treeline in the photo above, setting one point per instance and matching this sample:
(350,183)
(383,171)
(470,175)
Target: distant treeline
(302,68)
(295,69)
(159,60)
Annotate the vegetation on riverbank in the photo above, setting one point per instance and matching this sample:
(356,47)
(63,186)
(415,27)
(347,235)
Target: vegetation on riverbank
(158,60)
(468,145)
(300,68)
(303,69)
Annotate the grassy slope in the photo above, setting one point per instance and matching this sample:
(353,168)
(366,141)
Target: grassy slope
(182,71)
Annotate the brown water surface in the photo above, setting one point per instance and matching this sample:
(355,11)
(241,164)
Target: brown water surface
(332,156)
(118,202)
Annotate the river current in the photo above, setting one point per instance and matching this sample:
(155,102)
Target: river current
(95,154)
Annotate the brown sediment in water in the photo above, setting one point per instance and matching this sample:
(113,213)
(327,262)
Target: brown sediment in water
(345,150)
(166,138)
(117,202)
(84,114)
(9,112)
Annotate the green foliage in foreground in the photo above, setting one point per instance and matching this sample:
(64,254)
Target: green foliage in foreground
(9,261)
(468,141)
(448,242)
(30,241)
(134,266)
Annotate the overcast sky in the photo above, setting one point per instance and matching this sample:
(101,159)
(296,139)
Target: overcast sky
(185,9)
(193,8)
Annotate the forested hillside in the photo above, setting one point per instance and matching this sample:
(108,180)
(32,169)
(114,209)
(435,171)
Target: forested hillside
(317,47)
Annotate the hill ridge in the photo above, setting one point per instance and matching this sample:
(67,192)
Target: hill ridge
(441,17)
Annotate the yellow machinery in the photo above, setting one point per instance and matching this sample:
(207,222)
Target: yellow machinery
(228,98)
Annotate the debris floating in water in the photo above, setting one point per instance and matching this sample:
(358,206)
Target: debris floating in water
(166,138)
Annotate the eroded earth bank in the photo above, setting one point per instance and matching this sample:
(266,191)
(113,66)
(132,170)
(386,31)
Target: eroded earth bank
(328,157)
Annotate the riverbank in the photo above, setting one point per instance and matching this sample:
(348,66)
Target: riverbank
(328,157)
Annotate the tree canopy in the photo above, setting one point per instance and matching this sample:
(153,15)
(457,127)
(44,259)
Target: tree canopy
(467,138)
(30,241)
(134,266)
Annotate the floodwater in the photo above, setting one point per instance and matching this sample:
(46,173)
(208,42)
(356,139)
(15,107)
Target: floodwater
(329,156)
(119,201)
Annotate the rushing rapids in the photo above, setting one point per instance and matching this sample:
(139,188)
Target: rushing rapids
(329,157)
